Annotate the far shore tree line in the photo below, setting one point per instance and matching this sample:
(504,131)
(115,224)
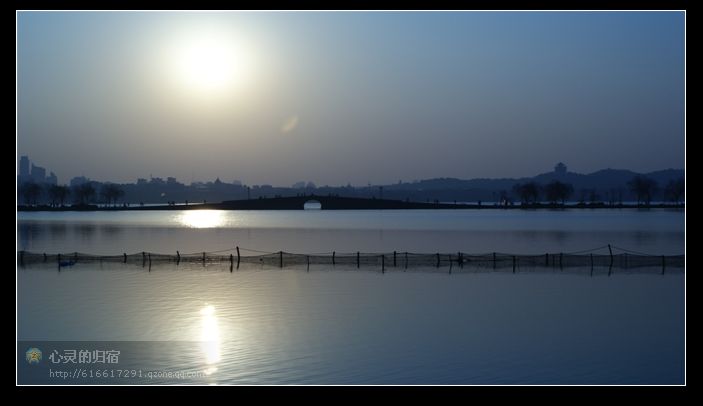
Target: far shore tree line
(529,193)
(556,192)
(60,195)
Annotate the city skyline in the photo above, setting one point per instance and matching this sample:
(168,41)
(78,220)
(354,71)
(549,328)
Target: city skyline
(36,174)
(339,98)
(52,179)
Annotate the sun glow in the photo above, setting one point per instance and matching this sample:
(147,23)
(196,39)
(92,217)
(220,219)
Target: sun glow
(210,62)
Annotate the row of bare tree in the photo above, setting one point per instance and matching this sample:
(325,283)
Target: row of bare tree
(641,186)
(59,194)
(554,192)
(644,188)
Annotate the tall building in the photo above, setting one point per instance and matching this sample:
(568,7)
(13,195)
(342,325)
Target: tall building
(38,174)
(52,179)
(24,167)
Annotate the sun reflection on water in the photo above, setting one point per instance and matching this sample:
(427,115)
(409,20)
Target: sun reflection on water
(202,218)
(210,338)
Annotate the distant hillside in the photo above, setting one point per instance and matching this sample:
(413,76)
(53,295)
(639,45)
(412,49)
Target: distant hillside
(603,182)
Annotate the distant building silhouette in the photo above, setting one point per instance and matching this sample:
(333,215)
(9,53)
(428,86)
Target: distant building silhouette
(24,168)
(560,169)
(79,180)
(52,179)
(30,172)
(38,174)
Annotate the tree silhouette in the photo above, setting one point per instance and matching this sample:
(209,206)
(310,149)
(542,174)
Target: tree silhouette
(106,193)
(88,192)
(58,194)
(528,192)
(119,193)
(31,192)
(556,191)
(675,190)
(84,193)
(589,194)
(593,196)
(111,192)
(643,187)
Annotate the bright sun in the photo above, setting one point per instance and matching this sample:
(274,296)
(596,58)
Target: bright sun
(210,63)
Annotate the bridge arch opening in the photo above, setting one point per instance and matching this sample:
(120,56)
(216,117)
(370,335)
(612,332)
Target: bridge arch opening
(312,205)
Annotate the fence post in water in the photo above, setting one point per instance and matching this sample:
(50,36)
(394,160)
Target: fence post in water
(591,261)
(406,260)
(231,262)
(334,253)
(150,262)
(461,260)
(178,257)
(394,255)
(143,259)
(383,263)
(45,257)
(280,257)
(238,257)
(663,264)
(514,260)
(58,260)
(357,259)
(438,260)
(450,263)
(203,259)
(611,257)
(124,256)
(494,260)
(308,258)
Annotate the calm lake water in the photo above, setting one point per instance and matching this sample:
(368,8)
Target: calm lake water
(340,325)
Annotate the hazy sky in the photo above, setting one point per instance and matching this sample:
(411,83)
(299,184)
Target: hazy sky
(348,97)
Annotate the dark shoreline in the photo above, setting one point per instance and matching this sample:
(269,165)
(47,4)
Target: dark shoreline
(345,203)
